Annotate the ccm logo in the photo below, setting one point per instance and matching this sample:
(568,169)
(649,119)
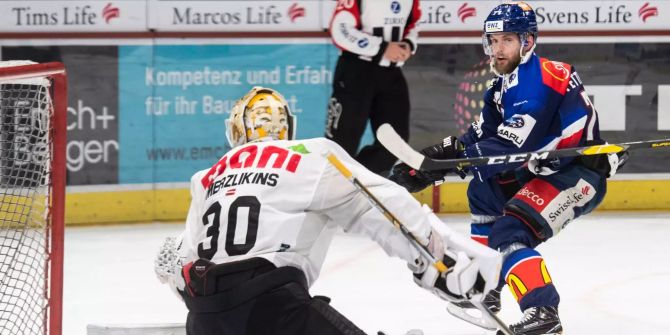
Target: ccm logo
(532,196)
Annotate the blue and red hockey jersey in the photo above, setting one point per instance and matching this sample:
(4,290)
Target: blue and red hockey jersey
(542,105)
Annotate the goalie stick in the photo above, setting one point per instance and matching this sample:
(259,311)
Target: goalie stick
(423,250)
(399,148)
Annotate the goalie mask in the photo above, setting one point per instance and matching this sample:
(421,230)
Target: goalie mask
(262,112)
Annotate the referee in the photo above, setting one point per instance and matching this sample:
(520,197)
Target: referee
(376,37)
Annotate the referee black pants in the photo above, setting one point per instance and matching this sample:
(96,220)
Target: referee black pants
(365,91)
(253,297)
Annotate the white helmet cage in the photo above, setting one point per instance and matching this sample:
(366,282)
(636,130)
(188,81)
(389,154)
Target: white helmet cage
(243,126)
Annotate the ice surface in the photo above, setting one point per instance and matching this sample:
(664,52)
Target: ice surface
(611,269)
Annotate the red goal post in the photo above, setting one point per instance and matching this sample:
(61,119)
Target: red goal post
(33,113)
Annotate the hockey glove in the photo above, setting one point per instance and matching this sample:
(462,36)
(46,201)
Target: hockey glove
(168,263)
(473,269)
(461,282)
(606,165)
(616,162)
(414,180)
(450,148)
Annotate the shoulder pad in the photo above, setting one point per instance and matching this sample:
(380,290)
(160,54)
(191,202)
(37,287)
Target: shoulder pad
(555,74)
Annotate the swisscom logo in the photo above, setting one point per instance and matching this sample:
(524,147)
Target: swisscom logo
(295,11)
(647,11)
(110,12)
(466,11)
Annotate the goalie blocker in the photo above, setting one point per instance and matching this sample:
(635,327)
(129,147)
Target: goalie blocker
(473,269)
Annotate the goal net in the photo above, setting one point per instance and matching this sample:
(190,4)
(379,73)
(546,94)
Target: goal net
(32,194)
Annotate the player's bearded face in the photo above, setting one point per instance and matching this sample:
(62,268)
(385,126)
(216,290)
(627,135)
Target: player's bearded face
(505,48)
(266,120)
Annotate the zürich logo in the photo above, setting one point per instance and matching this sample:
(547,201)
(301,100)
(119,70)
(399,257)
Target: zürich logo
(363,42)
(647,11)
(109,12)
(465,12)
(295,11)
(395,7)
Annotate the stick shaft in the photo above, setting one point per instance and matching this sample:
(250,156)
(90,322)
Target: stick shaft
(399,148)
(423,250)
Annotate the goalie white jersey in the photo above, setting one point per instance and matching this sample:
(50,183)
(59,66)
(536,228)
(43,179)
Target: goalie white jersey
(283,201)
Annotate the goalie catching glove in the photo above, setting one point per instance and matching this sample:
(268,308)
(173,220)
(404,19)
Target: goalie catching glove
(474,269)
(416,180)
(168,263)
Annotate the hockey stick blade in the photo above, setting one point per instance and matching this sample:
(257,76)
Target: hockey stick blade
(399,148)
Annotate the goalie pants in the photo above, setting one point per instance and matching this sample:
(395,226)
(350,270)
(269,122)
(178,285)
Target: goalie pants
(253,297)
(522,210)
(365,91)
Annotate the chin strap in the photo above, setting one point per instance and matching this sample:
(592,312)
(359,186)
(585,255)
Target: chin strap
(526,57)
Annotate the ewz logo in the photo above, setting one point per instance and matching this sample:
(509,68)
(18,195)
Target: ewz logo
(363,42)
(395,7)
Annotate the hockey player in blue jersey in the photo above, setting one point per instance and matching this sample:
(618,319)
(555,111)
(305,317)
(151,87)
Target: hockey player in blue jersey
(532,104)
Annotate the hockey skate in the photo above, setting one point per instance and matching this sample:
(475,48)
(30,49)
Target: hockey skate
(466,311)
(538,321)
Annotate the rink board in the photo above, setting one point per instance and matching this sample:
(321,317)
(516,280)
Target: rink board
(172,204)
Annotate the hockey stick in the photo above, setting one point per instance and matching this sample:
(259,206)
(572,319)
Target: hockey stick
(399,148)
(422,249)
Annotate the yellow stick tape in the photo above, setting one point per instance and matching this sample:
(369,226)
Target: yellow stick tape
(603,149)
(339,166)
